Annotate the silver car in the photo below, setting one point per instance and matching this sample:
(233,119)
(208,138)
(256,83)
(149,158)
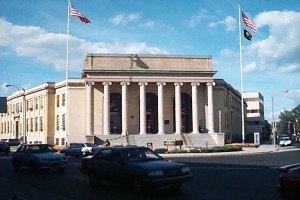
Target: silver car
(38,156)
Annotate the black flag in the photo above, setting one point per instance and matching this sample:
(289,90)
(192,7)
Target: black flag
(247,35)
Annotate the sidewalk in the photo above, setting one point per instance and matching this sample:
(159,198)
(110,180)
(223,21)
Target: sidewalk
(264,148)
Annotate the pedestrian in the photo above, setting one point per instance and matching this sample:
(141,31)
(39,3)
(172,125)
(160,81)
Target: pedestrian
(106,143)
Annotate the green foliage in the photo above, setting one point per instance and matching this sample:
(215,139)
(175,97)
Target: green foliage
(288,121)
(221,149)
(161,150)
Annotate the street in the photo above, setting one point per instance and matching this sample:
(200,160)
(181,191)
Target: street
(217,177)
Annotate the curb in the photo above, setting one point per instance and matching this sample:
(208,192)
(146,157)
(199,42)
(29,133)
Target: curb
(234,153)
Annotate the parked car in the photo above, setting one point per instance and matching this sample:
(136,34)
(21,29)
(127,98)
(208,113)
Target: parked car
(4,147)
(285,141)
(289,181)
(38,156)
(80,149)
(138,167)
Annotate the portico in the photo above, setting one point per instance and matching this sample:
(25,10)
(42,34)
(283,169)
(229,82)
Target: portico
(157,94)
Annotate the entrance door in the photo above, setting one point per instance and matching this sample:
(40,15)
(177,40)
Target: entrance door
(17,129)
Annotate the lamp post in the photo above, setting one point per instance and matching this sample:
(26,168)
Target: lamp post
(273,118)
(24,111)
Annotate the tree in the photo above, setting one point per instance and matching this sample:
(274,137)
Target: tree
(289,121)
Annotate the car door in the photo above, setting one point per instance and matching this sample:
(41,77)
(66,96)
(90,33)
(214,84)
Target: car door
(108,165)
(23,155)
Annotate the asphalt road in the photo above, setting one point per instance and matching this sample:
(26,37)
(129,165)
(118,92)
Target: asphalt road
(224,177)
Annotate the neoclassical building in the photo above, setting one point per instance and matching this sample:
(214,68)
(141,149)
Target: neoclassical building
(129,99)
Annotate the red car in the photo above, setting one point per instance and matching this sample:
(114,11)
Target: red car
(289,181)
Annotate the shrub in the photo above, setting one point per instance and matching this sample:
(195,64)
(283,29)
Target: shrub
(178,151)
(161,150)
(194,150)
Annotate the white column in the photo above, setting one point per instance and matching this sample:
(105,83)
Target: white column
(210,107)
(161,108)
(124,108)
(195,107)
(178,107)
(142,108)
(89,102)
(106,109)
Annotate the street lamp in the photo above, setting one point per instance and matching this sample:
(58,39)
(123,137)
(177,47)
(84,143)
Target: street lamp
(24,111)
(273,118)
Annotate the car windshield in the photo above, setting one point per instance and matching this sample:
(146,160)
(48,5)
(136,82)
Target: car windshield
(285,138)
(140,155)
(39,149)
(90,145)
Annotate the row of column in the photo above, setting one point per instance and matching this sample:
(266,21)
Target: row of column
(106,107)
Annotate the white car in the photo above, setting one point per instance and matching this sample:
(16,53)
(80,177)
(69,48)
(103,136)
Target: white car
(285,141)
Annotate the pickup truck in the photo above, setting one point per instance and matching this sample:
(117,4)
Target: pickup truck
(138,167)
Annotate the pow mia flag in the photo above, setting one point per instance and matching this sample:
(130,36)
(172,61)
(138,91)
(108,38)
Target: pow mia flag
(247,35)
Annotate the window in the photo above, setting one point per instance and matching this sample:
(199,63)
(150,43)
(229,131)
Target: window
(63,122)
(56,141)
(63,100)
(57,122)
(31,124)
(41,102)
(41,124)
(57,100)
(36,123)
(36,102)
(63,141)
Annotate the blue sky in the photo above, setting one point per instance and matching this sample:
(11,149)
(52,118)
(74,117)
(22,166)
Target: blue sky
(33,40)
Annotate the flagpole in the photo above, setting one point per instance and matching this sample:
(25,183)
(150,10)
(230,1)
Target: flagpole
(241,71)
(67,77)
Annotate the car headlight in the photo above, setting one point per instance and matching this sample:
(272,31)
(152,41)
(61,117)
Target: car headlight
(156,173)
(185,169)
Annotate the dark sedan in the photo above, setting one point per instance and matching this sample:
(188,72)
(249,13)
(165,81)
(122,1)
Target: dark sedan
(138,167)
(4,147)
(80,149)
(38,156)
(289,181)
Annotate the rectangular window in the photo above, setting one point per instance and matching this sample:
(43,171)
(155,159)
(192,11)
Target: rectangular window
(31,104)
(41,124)
(63,141)
(57,122)
(63,122)
(27,125)
(63,99)
(31,124)
(36,102)
(56,141)
(57,100)
(36,124)
(42,102)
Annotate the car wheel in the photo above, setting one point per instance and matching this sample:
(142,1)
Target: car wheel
(94,179)
(137,186)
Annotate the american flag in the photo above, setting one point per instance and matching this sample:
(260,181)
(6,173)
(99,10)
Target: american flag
(248,22)
(73,12)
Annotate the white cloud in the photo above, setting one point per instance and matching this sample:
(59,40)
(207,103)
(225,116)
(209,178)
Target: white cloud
(50,48)
(198,17)
(122,19)
(229,23)
(227,53)
(281,49)
(250,67)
